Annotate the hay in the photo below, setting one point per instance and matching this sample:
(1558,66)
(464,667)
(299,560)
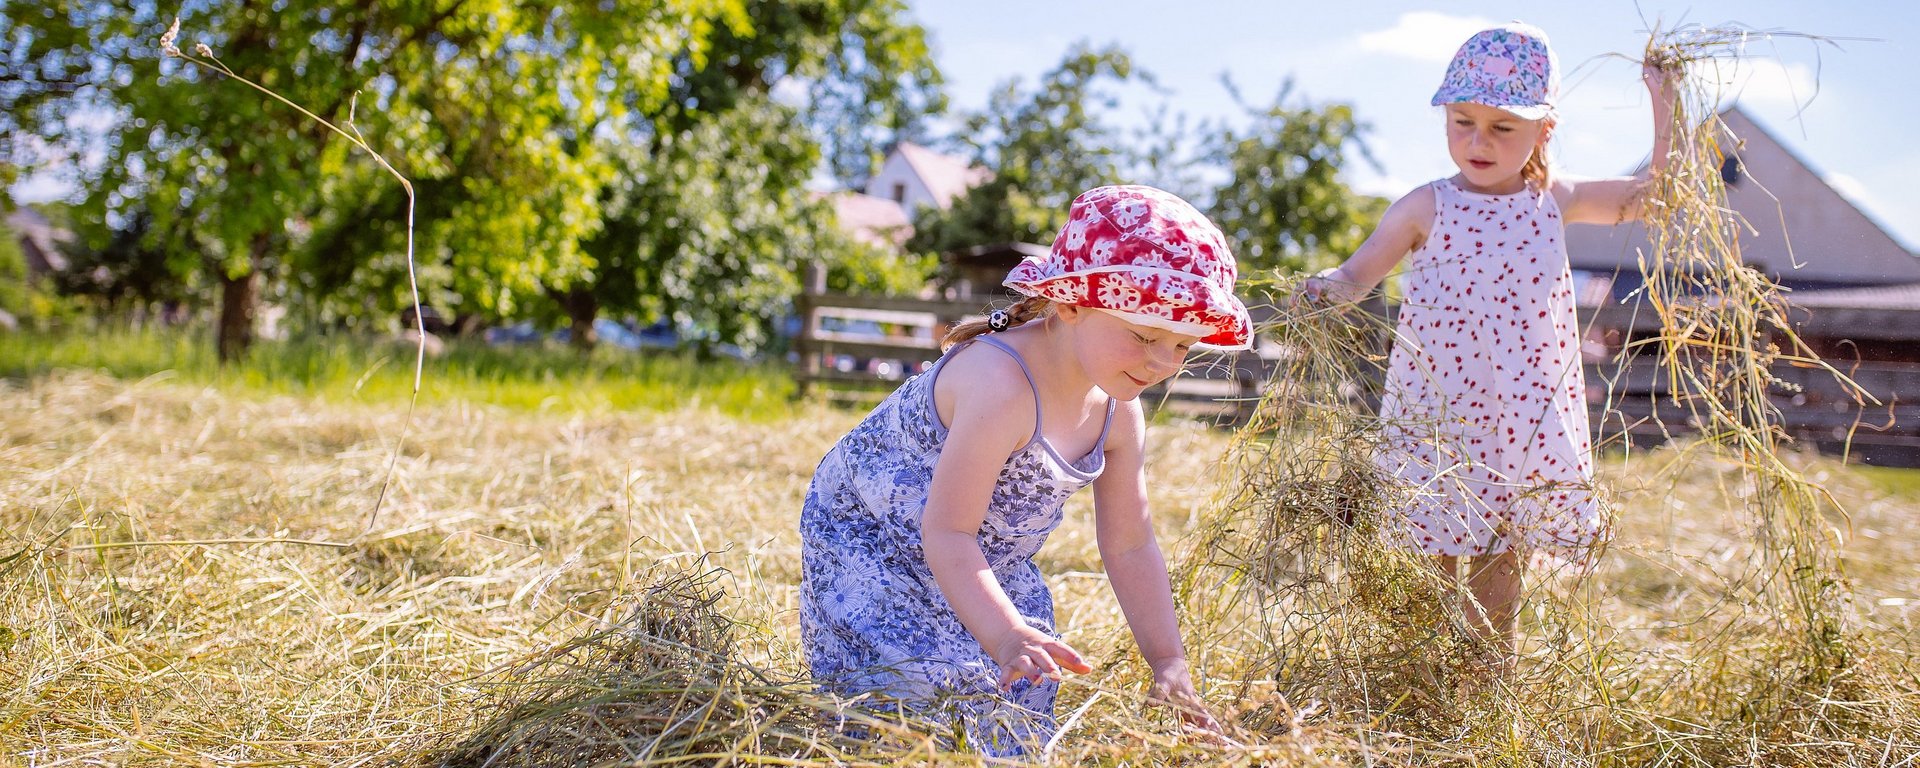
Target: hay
(1725,328)
(534,594)
(530,563)
(662,686)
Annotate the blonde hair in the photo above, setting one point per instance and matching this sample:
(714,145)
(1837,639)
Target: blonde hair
(1536,172)
(1026,309)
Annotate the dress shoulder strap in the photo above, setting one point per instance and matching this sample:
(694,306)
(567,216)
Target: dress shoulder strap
(1031,386)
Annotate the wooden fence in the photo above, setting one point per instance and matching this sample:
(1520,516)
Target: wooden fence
(861,347)
(858,348)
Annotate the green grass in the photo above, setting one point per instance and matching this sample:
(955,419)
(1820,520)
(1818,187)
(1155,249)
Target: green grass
(374,370)
(1896,481)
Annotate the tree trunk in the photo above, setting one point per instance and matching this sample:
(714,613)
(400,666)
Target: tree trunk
(581,309)
(239,298)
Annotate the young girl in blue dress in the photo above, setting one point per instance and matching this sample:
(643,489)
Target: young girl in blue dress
(920,525)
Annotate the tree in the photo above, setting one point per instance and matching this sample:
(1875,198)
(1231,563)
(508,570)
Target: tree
(135,268)
(708,219)
(1283,205)
(874,83)
(708,227)
(1045,148)
(494,107)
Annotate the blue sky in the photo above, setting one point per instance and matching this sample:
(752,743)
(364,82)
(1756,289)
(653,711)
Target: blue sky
(1848,111)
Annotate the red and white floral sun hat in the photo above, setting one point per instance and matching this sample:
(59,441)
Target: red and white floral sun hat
(1147,257)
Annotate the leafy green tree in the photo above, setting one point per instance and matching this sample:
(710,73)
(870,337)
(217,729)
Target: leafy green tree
(13,274)
(1044,147)
(134,268)
(496,109)
(867,71)
(1283,205)
(708,220)
(708,226)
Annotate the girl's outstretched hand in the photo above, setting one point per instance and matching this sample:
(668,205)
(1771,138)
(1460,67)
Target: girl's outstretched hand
(1662,80)
(1320,290)
(1173,687)
(1028,653)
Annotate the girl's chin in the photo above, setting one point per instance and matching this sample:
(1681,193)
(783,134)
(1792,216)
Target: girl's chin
(1490,181)
(1125,392)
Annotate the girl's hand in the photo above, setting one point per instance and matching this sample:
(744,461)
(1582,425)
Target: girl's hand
(1661,79)
(1319,289)
(1025,652)
(1173,687)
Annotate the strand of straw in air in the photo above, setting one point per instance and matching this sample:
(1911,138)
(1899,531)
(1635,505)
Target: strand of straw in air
(206,60)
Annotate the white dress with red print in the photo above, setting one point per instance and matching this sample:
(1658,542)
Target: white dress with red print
(1485,406)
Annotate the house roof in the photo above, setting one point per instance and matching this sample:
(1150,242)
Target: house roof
(1902,296)
(1002,255)
(1802,229)
(946,176)
(36,231)
(872,220)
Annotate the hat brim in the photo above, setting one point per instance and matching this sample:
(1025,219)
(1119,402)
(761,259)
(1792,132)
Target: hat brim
(1202,302)
(1522,111)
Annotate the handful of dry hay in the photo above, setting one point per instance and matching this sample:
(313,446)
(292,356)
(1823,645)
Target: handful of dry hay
(663,686)
(1724,327)
(1297,565)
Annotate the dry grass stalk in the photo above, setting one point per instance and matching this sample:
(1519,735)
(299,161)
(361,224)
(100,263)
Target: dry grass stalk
(204,59)
(1725,328)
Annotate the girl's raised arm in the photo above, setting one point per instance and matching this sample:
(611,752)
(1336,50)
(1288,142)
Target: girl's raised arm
(1614,200)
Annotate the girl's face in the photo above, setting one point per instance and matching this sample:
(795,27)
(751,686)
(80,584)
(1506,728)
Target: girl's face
(1124,359)
(1491,145)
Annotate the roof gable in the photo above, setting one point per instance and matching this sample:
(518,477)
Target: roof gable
(1802,229)
(871,220)
(945,176)
(40,238)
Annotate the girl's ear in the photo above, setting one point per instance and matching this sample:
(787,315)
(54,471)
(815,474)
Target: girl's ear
(1546,133)
(1070,313)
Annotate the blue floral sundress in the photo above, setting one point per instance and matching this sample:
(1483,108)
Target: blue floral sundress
(872,619)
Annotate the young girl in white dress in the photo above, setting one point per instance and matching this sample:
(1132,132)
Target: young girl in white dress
(1485,402)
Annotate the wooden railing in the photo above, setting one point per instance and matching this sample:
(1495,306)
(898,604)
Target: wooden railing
(858,348)
(861,347)
(849,346)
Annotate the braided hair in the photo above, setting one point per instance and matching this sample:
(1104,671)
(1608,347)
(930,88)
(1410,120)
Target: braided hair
(1029,308)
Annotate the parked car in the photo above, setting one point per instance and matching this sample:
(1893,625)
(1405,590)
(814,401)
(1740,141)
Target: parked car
(612,333)
(518,333)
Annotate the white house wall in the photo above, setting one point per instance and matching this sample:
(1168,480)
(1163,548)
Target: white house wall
(896,170)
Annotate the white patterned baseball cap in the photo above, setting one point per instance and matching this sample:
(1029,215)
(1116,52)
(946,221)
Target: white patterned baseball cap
(1509,67)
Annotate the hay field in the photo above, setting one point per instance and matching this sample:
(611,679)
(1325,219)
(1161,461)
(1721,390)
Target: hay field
(535,592)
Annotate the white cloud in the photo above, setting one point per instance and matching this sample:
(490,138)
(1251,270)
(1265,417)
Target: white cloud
(1854,190)
(1423,35)
(1761,82)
